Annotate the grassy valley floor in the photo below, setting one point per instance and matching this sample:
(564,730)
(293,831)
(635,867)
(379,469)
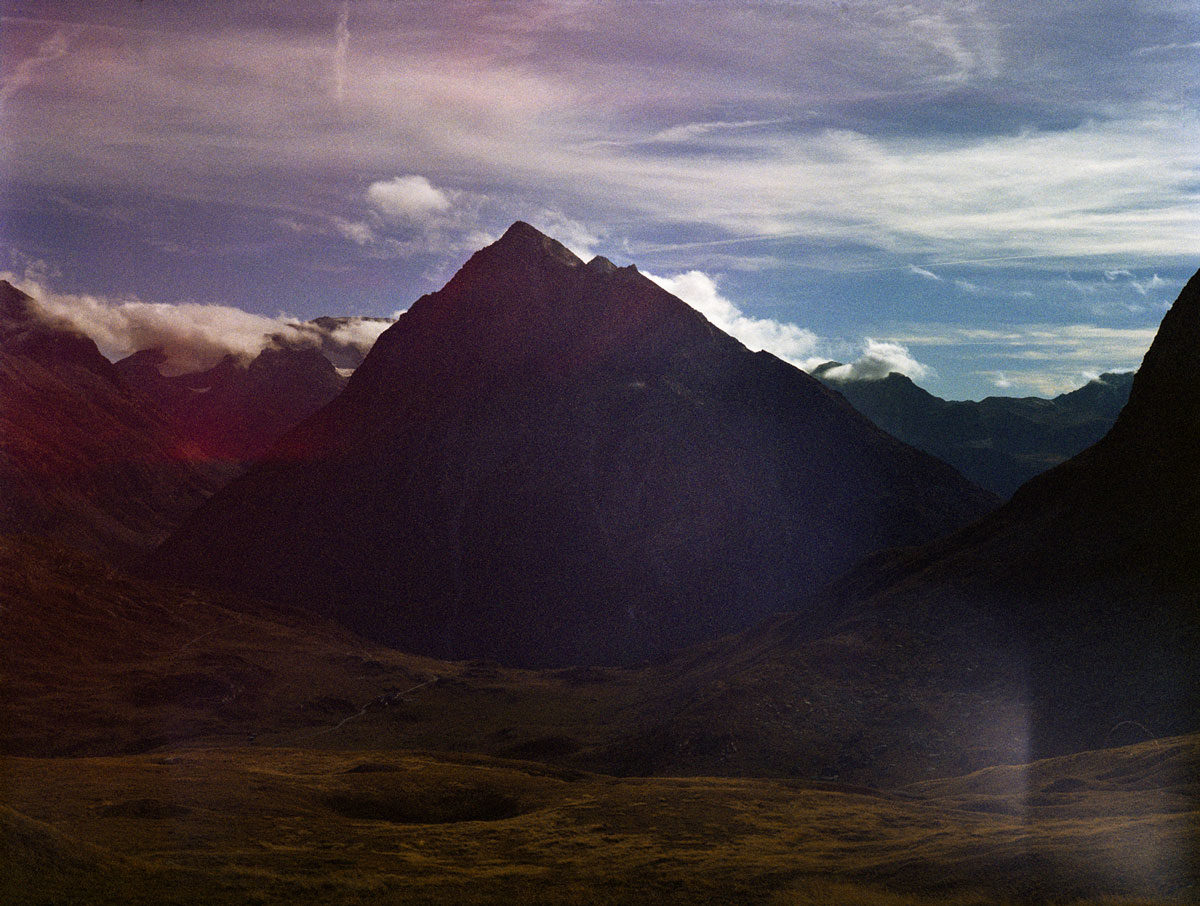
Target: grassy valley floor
(267,825)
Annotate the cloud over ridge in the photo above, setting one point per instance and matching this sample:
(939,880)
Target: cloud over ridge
(194,336)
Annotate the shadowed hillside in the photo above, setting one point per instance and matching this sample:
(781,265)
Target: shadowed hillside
(1066,620)
(85,459)
(554,462)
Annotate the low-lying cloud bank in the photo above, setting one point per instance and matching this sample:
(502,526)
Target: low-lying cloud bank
(194,336)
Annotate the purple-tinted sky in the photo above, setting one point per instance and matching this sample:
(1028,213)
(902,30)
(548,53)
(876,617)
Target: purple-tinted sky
(992,196)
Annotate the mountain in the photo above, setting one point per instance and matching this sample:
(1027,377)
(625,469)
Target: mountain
(1068,619)
(345,340)
(999,442)
(234,412)
(83,458)
(549,462)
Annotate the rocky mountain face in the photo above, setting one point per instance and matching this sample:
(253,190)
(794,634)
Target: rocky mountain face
(83,459)
(549,461)
(234,412)
(1068,619)
(999,442)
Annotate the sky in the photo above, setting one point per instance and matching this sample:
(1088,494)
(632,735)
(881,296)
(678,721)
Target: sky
(993,197)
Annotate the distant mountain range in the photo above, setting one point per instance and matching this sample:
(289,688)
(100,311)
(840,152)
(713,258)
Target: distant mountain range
(111,457)
(552,462)
(234,411)
(1067,619)
(83,457)
(999,442)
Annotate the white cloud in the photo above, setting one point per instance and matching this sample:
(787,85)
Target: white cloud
(1120,345)
(878,360)
(1143,287)
(408,215)
(691,131)
(1040,383)
(1043,359)
(341,34)
(790,342)
(571,233)
(48,51)
(922,272)
(407,198)
(357,333)
(357,231)
(193,335)
(123,112)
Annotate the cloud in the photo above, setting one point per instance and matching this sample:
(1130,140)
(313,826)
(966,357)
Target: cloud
(1143,287)
(922,272)
(47,51)
(1167,48)
(407,198)
(357,231)
(790,342)
(1072,341)
(572,233)
(690,131)
(878,360)
(341,50)
(193,336)
(565,108)
(406,216)
(1044,359)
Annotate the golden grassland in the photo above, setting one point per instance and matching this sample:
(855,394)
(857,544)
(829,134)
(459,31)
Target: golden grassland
(264,825)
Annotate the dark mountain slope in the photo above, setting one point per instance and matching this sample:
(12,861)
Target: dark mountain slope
(551,462)
(82,457)
(234,412)
(1068,619)
(999,442)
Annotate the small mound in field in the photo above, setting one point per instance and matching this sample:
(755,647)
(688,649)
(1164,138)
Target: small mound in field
(427,806)
(154,809)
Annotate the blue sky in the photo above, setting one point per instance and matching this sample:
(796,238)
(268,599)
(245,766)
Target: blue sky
(994,197)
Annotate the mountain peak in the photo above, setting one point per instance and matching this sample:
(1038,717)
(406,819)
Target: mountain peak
(1166,390)
(526,241)
(14,304)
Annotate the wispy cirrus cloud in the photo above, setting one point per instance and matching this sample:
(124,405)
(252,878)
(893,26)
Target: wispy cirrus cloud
(1042,359)
(775,139)
(47,51)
